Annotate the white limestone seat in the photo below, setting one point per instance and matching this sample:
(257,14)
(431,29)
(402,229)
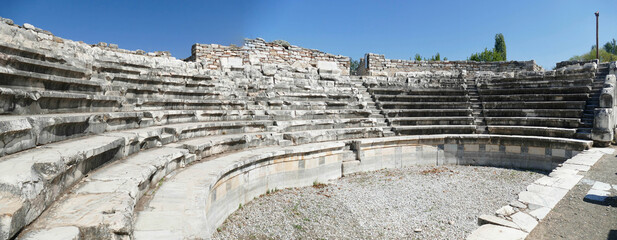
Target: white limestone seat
(542,90)
(40,66)
(316,124)
(535,121)
(537,97)
(28,80)
(427,112)
(207,146)
(445,120)
(16,101)
(31,180)
(102,204)
(538,83)
(567,113)
(336,134)
(434,129)
(535,105)
(532,131)
(421,98)
(423,105)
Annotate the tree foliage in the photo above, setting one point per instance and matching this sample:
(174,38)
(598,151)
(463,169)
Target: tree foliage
(500,46)
(608,53)
(611,47)
(353,66)
(434,58)
(498,53)
(605,56)
(486,56)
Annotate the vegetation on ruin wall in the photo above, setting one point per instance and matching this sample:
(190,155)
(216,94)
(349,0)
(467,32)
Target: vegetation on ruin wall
(436,57)
(353,66)
(498,53)
(608,53)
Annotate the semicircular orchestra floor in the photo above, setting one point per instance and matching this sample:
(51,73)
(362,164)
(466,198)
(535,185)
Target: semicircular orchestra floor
(428,202)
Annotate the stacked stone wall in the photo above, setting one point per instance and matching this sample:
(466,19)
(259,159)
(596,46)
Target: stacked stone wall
(377,65)
(259,52)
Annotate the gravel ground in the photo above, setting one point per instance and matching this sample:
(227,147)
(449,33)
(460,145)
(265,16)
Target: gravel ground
(410,203)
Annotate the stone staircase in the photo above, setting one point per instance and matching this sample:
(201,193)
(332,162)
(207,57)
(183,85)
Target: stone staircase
(358,83)
(476,106)
(584,131)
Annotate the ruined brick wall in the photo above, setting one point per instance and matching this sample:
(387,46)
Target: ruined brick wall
(377,65)
(259,52)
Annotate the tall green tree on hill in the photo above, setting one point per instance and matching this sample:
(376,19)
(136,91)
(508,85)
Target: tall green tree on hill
(498,53)
(500,46)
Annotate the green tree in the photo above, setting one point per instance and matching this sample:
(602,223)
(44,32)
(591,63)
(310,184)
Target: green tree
(498,53)
(610,47)
(417,57)
(500,47)
(436,57)
(486,56)
(605,56)
(353,66)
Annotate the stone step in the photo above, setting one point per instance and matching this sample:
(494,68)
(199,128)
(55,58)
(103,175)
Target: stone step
(190,130)
(47,173)
(423,105)
(208,146)
(16,101)
(535,121)
(543,77)
(550,90)
(31,53)
(399,91)
(407,121)
(535,105)
(536,84)
(562,113)
(320,124)
(426,112)
(44,67)
(159,81)
(313,136)
(536,97)
(104,202)
(532,131)
(434,129)
(159,103)
(19,79)
(420,98)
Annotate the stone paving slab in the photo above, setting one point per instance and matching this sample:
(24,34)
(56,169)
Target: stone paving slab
(541,197)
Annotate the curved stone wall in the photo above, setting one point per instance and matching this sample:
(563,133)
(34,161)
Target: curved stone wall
(223,184)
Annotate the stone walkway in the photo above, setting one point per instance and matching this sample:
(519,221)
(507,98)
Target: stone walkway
(589,210)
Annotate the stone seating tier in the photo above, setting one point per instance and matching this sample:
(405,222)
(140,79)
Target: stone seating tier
(420,98)
(563,113)
(423,105)
(408,121)
(535,121)
(537,84)
(549,90)
(536,97)
(43,67)
(426,112)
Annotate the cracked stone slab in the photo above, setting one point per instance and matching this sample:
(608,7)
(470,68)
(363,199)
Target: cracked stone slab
(492,232)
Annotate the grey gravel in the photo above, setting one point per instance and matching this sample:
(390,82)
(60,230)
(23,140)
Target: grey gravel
(410,203)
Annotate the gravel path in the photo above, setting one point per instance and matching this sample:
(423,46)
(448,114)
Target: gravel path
(409,203)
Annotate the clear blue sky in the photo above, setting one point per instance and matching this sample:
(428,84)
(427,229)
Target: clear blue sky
(545,30)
